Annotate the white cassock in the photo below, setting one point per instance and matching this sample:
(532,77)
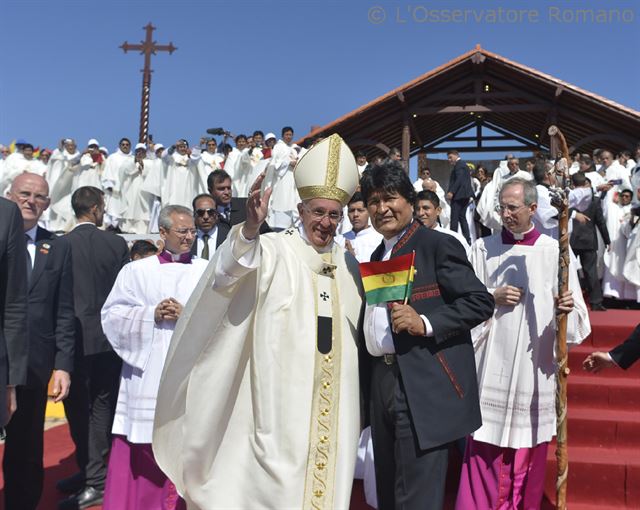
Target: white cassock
(283,206)
(183,180)
(115,168)
(631,268)
(230,163)
(614,283)
(137,203)
(363,243)
(61,169)
(88,173)
(250,164)
(18,165)
(152,185)
(445,214)
(250,414)
(207,163)
(129,325)
(617,173)
(515,348)
(458,236)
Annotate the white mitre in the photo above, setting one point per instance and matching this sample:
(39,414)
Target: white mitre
(327,170)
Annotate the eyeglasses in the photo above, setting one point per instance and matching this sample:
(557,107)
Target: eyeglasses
(320,214)
(512,209)
(201,212)
(184,232)
(125,144)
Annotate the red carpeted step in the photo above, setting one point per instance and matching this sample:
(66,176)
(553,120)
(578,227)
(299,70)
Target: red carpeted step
(611,327)
(604,428)
(598,476)
(602,391)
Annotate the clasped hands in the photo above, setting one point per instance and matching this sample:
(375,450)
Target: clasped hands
(168,310)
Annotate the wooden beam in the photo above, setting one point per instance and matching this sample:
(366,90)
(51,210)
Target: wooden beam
(508,133)
(616,137)
(448,136)
(484,138)
(500,148)
(478,108)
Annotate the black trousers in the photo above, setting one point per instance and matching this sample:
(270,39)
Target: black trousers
(23,452)
(90,408)
(589,261)
(407,477)
(458,215)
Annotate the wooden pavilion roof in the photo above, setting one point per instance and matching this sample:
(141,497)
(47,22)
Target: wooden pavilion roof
(480,90)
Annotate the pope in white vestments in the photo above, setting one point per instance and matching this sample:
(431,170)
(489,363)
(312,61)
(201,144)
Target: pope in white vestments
(138,318)
(258,404)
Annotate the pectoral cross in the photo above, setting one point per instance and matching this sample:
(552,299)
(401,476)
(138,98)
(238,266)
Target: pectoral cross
(147,48)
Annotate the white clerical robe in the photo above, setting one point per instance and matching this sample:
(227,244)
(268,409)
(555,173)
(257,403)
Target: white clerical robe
(18,165)
(631,267)
(363,243)
(515,348)
(283,210)
(116,166)
(61,168)
(152,185)
(250,164)
(88,173)
(613,282)
(137,203)
(251,415)
(207,163)
(183,180)
(128,322)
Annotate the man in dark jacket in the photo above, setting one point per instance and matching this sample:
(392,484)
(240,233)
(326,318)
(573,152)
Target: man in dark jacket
(418,368)
(51,342)
(459,193)
(584,241)
(97,258)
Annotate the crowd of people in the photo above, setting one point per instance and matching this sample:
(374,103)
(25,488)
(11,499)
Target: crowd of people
(226,366)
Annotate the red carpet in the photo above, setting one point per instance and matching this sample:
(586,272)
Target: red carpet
(604,443)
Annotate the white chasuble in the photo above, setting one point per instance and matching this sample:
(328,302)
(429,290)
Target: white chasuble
(515,349)
(183,180)
(128,322)
(258,404)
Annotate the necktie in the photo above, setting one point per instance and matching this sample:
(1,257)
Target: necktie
(29,261)
(205,248)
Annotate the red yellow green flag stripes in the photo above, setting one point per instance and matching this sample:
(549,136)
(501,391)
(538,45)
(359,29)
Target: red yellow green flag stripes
(390,280)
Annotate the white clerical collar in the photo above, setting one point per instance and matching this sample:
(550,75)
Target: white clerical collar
(32,233)
(519,236)
(324,249)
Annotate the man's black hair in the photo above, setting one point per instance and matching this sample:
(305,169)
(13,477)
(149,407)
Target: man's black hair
(429,196)
(84,198)
(216,176)
(387,176)
(142,248)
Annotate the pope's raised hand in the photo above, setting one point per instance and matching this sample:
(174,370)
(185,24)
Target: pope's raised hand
(257,208)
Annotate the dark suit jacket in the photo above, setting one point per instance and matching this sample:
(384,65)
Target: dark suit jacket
(97,258)
(13,302)
(628,352)
(460,181)
(238,214)
(439,372)
(584,237)
(223,231)
(50,313)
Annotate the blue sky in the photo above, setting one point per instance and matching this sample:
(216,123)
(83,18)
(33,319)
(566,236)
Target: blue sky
(262,65)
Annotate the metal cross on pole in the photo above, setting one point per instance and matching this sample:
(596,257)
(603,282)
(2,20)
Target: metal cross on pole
(147,48)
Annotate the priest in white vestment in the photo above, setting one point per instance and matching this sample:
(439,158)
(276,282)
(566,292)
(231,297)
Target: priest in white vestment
(138,319)
(210,160)
(118,163)
(258,404)
(154,182)
(504,460)
(22,163)
(60,170)
(183,178)
(252,162)
(137,203)
(614,284)
(283,212)
(89,172)
(362,239)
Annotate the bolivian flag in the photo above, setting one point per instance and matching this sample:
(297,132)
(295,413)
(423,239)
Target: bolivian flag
(390,280)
